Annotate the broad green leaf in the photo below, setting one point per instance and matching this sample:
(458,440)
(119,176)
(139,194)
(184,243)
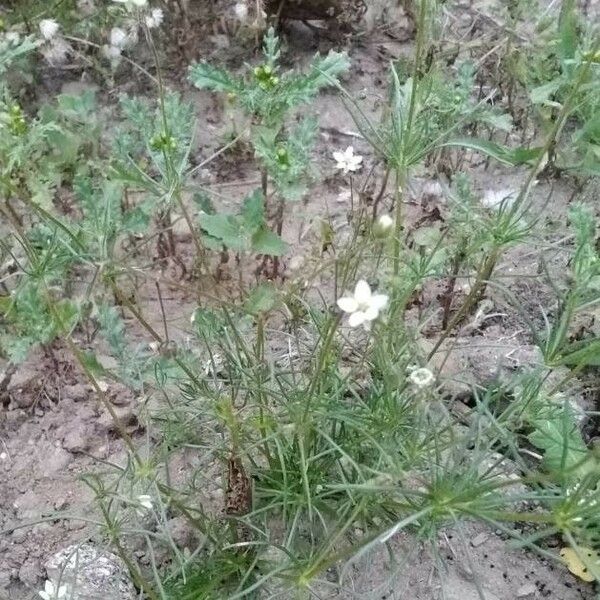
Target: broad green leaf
(541,94)
(225,228)
(262,299)
(266,241)
(562,444)
(253,211)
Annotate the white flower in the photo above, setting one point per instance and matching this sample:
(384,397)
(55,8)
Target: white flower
(421,377)
(51,593)
(49,28)
(155,18)
(363,306)
(241,11)
(348,161)
(118,37)
(145,502)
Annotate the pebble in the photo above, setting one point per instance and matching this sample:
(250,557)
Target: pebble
(527,591)
(92,572)
(77,440)
(30,572)
(479,540)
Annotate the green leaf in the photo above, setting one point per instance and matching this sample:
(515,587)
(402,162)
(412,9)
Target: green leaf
(225,228)
(205,76)
(266,241)
(262,299)
(563,446)
(585,353)
(253,211)
(541,94)
(503,154)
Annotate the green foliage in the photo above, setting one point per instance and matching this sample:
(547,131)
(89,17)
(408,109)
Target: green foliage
(244,232)
(265,92)
(11,51)
(287,160)
(36,312)
(566,58)
(582,292)
(557,434)
(37,155)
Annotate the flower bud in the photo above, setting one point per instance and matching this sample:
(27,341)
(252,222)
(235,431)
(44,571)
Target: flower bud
(383,226)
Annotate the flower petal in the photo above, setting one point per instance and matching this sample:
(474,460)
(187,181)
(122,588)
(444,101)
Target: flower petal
(347,304)
(379,301)
(356,318)
(371,313)
(362,292)
(340,157)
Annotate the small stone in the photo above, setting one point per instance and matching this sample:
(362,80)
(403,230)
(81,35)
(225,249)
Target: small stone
(125,415)
(30,572)
(19,535)
(479,539)
(527,591)
(93,573)
(77,392)
(77,440)
(57,461)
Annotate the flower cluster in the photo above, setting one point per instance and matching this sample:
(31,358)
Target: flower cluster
(122,37)
(54,48)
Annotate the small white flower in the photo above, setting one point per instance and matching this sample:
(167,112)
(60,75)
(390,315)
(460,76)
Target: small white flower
(52,593)
(155,18)
(118,37)
(421,377)
(241,11)
(49,28)
(3,456)
(363,306)
(144,505)
(348,161)
(146,501)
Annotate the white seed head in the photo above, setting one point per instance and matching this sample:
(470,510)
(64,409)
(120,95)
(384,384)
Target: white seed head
(155,18)
(49,28)
(383,226)
(241,11)
(422,377)
(118,37)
